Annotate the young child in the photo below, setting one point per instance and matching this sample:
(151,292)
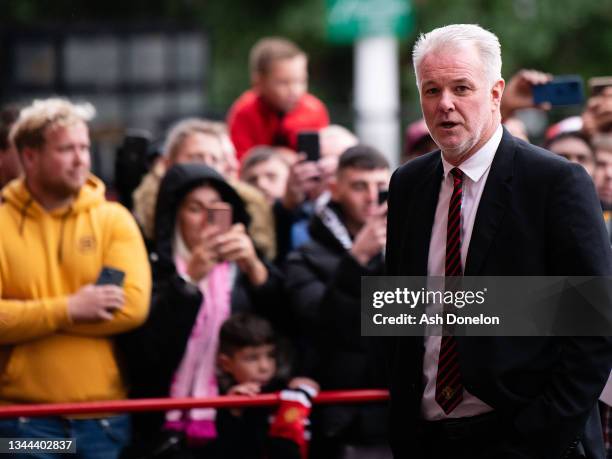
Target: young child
(278,105)
(249,363)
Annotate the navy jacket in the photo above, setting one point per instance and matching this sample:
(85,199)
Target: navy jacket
(539,215)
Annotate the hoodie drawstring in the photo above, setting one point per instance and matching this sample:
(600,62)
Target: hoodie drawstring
(60,246)
(23,213)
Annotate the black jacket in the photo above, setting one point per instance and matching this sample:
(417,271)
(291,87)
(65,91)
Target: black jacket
(244,435)
(323,282)
(538,216)
(153,352)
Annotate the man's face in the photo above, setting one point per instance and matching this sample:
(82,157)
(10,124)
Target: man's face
(284,84)
(460,107)
(10,166)
(201,148)
(60,168)
(251,364)
(603,176)
(575,150)
(356,190)
(269,176)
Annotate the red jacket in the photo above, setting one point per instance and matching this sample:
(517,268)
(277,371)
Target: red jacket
(253,122)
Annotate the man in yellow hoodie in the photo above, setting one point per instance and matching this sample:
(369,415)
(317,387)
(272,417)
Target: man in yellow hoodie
(56,324)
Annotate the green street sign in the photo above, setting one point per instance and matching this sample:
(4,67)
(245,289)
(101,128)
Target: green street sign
(348,20)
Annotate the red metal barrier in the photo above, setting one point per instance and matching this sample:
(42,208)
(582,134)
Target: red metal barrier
(163,404)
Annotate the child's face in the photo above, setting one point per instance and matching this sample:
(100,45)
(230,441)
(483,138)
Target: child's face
(251,364)
(270,177)
(285,82)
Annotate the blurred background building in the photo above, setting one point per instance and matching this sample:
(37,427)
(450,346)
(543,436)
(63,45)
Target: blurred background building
(144,64)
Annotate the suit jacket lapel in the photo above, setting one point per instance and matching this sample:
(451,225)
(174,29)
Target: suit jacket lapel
(492,206)
(422,215)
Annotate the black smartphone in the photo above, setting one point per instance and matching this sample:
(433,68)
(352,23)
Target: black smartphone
(110,276)
(383,195)
(131,164)
(308,142)
(562,90)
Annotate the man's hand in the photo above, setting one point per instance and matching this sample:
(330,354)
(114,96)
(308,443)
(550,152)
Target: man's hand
(304,178)
(95,303)
(518,93)
(205,255)
(371,240)
(236,245)
(327,167)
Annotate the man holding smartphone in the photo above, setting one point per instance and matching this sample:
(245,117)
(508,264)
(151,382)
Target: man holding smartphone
(60,237)
(323,280)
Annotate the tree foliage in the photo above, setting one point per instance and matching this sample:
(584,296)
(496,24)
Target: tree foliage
(557,36)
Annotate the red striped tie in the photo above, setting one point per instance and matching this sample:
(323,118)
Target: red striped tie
(449,385)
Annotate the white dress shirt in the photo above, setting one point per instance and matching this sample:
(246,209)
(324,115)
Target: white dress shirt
(475,172)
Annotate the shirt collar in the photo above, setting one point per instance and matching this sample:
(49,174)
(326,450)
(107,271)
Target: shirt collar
(477,164)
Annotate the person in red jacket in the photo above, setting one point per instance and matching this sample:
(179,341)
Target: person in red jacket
(278,105)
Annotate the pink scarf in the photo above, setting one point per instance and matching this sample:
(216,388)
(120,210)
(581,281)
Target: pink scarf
(195,377)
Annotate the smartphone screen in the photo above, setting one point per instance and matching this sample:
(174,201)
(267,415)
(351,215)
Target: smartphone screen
(308,142)
(110,276)
(220,215)
(562,90)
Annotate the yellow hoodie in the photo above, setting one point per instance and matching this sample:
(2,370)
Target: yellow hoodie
(45,256)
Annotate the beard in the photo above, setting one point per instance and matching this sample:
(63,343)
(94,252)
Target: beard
(62,187)
(457,154)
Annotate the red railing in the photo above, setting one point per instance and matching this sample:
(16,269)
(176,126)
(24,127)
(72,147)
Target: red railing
(163,404)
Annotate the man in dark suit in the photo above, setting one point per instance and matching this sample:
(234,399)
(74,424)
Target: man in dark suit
(489,204)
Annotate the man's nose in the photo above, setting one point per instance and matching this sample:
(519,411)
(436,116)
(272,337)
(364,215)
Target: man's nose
(446,102)
(79,156)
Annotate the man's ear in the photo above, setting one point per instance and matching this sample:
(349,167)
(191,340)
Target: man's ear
(28,156)
(497,90)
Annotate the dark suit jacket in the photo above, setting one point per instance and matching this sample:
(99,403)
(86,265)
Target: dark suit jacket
(538,215)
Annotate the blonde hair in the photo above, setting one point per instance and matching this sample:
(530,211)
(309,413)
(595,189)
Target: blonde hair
(336,139)
(33,121)
(183,129)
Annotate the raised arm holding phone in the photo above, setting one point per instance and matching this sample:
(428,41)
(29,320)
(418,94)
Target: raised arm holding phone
(207,269)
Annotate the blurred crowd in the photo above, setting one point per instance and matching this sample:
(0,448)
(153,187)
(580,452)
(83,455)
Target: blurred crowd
(235,270)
